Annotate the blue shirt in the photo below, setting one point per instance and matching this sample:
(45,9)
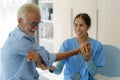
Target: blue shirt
(77,64)
(14,53)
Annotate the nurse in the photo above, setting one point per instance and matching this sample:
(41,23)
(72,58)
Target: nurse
(84,65)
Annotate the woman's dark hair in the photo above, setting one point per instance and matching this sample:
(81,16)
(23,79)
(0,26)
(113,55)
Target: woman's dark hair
(85,17)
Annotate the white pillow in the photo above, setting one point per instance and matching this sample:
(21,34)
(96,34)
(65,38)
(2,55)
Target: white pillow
(103,77)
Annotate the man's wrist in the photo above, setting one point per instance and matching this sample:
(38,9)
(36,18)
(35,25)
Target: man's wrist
(51,69)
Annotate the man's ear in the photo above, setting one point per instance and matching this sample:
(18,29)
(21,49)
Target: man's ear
(20,20)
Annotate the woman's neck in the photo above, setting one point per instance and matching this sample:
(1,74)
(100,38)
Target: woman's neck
(82,40)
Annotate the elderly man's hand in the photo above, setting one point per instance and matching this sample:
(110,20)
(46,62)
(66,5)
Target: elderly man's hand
(43,67)
(33,56)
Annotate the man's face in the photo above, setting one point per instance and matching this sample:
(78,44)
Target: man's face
(31,24)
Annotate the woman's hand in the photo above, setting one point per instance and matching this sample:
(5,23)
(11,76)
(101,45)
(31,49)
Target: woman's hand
(86,49)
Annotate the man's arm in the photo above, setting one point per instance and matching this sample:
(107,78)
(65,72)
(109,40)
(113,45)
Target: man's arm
(33,56)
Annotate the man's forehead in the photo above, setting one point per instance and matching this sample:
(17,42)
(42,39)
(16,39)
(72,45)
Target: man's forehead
(33,16)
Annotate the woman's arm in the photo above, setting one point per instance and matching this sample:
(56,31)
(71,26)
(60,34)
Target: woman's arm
(57,69)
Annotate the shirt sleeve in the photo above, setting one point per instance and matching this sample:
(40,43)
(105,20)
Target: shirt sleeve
(47,57)
(58,68)
(92,68)
(99,58)
(64,48)
(23,46)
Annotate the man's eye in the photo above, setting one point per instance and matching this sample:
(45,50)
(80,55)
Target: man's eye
(34,23)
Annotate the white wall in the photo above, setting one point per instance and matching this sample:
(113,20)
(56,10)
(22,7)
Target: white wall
(61,18)
(109,22)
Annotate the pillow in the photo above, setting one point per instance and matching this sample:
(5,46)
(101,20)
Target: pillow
(103,77)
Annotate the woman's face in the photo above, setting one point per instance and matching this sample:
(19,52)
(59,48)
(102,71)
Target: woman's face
(81,28)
